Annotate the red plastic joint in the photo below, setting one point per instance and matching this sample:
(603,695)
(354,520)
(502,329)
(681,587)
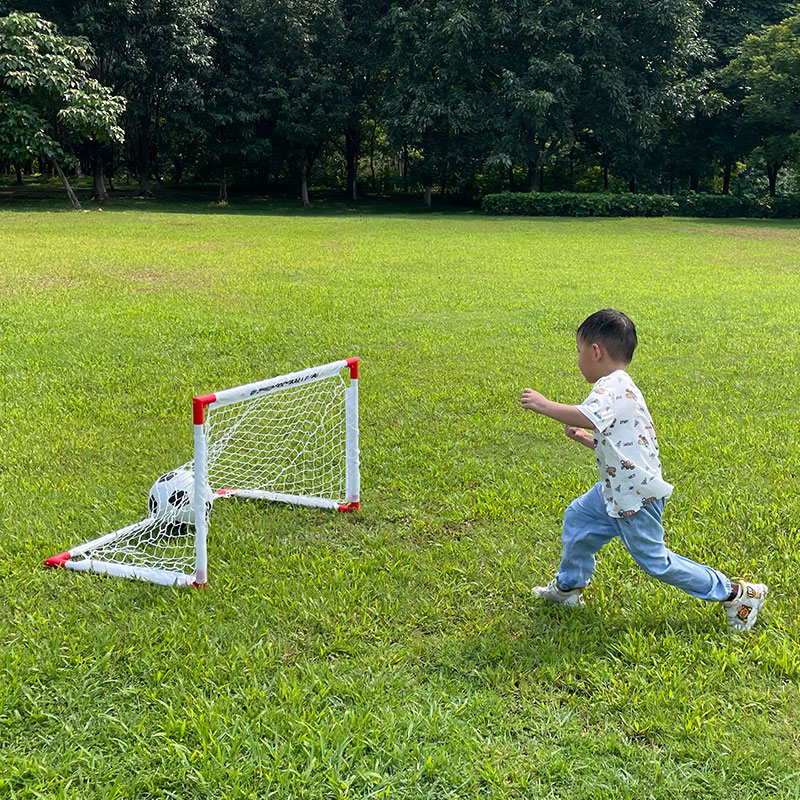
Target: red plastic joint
(353,364)
(59,560)
(347,507)
(199,407)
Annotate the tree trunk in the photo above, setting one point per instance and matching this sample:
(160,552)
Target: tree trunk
(144,156)
(511,186)
(405,168)
(177,170)
(372,155)
(632,185)
(534,177)
(605,178)
(428,196)
(772,175)
(352,140)
(222,197)
(541,180)
(100,194)
(304,184)
(726,177)
(694,181)
(444,181)
(72,198)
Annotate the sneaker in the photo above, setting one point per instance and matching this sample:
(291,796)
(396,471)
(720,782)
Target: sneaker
(552,594)
(742,611)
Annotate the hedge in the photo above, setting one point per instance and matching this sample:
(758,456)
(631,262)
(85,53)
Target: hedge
(606,204)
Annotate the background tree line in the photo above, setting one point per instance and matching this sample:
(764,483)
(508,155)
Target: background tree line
(459,97)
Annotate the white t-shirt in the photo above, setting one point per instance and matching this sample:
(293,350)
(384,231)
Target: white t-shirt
(625,444)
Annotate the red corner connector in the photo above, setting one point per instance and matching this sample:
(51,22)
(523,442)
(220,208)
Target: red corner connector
(59,560)
(199,407)
(347,507)
(353,364)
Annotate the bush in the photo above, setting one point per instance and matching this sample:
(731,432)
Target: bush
(607,204)
(717,205)
(785,207)
(576,204)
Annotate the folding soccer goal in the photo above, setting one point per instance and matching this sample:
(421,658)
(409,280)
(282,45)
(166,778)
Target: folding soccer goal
(291,439)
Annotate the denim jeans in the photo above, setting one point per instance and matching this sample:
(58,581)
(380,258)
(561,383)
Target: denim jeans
(587,527)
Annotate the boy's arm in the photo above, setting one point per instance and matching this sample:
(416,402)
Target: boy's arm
(569,415)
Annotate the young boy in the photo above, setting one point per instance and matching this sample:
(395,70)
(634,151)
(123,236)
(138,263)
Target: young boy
(629,498)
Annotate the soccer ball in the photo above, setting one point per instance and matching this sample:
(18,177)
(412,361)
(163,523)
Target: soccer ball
(171,497)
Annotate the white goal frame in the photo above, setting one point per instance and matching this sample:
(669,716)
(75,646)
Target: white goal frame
(81,558)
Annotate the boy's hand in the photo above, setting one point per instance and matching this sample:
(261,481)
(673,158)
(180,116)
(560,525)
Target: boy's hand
(533,400)
(574,433)
(580,435)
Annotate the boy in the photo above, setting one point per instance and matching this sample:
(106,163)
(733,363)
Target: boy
(629,498)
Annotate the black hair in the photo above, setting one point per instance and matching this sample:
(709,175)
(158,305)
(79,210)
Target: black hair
(613,330)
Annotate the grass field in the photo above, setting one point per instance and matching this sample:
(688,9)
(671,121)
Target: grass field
(395,653)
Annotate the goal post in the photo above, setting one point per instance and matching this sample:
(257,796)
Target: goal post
(291,439)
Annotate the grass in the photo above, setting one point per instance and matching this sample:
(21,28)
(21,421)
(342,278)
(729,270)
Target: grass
(395,653)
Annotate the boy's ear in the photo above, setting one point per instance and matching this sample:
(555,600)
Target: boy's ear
(597,351)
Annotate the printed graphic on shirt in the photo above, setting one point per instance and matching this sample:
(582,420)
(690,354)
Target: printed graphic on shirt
(625,444)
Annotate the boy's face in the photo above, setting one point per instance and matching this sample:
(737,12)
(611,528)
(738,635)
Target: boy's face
(589,356)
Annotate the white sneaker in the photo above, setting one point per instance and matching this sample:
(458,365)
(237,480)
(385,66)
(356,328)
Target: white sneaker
(742,611)
(552,594)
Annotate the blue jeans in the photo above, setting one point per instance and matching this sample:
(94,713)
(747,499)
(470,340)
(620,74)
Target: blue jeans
(587,527)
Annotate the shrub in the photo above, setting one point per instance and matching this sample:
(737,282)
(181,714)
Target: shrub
(785,207)
(577,204)
(717,205)
(607,204)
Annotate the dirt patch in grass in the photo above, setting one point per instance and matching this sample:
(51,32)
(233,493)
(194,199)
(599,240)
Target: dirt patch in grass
(27,283)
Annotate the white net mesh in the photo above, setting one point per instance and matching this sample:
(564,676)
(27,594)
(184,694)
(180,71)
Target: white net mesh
(153,549)
(284,445)
(290,442)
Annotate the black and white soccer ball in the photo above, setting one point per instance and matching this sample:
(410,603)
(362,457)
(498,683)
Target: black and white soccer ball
(171,498)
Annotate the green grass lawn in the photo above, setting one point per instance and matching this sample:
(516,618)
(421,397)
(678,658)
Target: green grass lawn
(395,653)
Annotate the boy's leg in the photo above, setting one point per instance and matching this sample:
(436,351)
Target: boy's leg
(587,528)
(643,536)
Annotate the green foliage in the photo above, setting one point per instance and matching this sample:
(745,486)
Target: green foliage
(606,204)
(576,204)
(699,204)
(767,73)
(47,97)
(784,207)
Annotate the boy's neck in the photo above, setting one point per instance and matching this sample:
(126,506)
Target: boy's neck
(606,369)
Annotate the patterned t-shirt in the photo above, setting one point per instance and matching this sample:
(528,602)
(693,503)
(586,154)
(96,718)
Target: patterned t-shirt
(625,444)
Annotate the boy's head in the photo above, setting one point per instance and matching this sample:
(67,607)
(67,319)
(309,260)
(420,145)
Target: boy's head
(605,338)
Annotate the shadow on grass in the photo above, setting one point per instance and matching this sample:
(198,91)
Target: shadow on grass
(45,197)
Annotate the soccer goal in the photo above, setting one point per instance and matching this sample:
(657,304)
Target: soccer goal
(291,439)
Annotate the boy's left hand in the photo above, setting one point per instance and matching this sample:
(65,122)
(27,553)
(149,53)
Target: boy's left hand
(533,400)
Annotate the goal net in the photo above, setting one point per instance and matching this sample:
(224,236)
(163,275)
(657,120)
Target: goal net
(292,439)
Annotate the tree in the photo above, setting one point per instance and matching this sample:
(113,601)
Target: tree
(708,135)
(47,99)
(767,73)
(440,102)
(311,89)
(636,61)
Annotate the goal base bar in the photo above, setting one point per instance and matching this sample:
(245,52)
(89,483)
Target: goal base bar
(150,574)
(295,499)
